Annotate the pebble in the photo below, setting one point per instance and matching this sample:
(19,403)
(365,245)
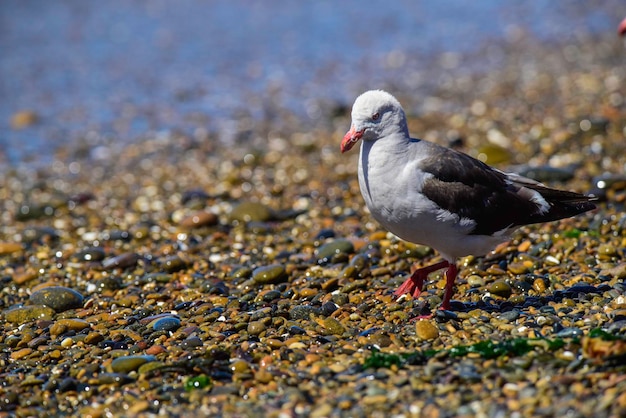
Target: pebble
(121,261)
(199,220)
(500,288)
(168,323)
(58,298)
(271,274)
(300,312)
(9,248)
(66,324)
(426,330)
(326,252)
(125,364)
(29,313)
(250,212)
(256,327)
(332,326)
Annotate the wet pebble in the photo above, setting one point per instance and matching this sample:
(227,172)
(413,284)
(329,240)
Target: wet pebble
(168,323)
(90,254)
(271,274)
(500,288)
(326,252)
(250,212)
(125,364)
(256,327)
(510,316)
(121,261)
(63,325)
(28,313)
(300,312)
(9,248)
(58,298)
(199,219)
(426,330)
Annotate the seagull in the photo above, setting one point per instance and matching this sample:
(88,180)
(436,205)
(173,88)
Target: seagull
(439,197)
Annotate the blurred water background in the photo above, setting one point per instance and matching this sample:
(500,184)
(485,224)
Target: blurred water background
(126,69)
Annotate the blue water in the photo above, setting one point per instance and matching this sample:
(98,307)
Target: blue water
(125,69)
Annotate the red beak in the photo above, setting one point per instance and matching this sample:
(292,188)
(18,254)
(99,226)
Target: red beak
(622,27)
(351,138)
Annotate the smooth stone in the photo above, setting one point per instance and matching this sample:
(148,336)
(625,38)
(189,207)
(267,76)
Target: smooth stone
(21,353)
(518,267)
(63,325)
(9,248)
(326,252)
(475,280)
(274,273)
(569,332)
(191,343)
(256,327)
(58,298)
(173,264)
(271,295)
(28,313)
(150,366)
(500,288)
(93,338)
(168,323)
(127,364)
(333,326)
(199,219)
(426,330)
(242,273)
(540,285)
(509,316)
(299,312)
(30,211)
(90,254)
(250,212)
(113,379)
(121,261)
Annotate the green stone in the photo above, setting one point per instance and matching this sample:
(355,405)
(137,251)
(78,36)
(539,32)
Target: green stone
(274,273)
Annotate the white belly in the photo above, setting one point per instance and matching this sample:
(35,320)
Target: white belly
(391,191)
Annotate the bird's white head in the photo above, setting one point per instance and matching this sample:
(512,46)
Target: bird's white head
(375,114)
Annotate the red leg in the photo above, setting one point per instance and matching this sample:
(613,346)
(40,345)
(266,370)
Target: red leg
(413,285)
(450,275)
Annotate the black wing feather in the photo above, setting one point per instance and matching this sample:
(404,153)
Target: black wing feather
(470,188)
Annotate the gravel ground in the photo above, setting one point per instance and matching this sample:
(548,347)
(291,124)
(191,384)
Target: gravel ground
(177,274)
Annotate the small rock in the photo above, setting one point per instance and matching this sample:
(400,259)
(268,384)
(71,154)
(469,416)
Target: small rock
(271,274)
(326,252)
(256,327)
(58,298)
(426,330)
(250,212)
(199,219)
(300,312)
(28,313)
(127,364)
(333,326)
(500,288)
(63,325)
(9,248)
(168,323)
(121,261)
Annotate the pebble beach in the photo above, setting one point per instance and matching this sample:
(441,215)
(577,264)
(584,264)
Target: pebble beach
(190,271)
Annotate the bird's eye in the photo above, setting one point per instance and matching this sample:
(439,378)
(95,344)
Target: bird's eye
(376,116)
